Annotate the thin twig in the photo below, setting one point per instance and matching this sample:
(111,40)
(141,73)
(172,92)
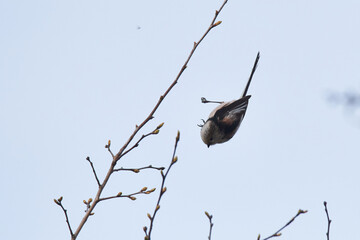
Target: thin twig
(211,223)
(90,208)
(112,155)
(138,127)
(277,233)
(162,189)
(92,166)
(136,170)
(58,202)
(137,143)
(329,221)
(130,196)
(108,148)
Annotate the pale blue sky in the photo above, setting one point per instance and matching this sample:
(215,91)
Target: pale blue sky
(74,74)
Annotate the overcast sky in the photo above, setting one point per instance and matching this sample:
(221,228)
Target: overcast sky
(74,74)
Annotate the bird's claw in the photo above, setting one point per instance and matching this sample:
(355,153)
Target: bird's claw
(204,100)
(201,125)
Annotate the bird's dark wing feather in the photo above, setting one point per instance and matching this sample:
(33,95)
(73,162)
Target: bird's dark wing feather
(235,108)
(229,117)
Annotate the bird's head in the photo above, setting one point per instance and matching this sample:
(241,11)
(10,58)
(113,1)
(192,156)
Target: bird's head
(209,132)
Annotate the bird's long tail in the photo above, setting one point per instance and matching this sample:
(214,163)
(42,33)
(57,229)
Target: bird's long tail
(252,73)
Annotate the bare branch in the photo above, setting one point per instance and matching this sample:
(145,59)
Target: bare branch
(122,151)
(162,97)
(136,170)
(211,223)
(329,221)
(58,202)
(162,189)
(130,196)
(92,166)
(277,233)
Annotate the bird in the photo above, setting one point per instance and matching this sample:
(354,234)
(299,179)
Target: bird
(224,121)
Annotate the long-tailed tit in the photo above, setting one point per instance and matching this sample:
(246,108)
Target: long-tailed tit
(225,119)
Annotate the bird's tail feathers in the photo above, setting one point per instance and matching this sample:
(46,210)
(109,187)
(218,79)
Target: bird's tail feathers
(252,73)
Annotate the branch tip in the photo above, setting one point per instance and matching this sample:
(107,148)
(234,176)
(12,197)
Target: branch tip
(328,220)
(178,136)
(163,188)
(210,222)
(278,233)
(93,168)
(160,125)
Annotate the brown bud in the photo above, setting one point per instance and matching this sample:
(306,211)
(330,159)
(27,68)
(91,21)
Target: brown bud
(136,170)
(143,189)
(160,126)
(302,211)
(149,216)
(175,159)
(157,207)
(217,23)
(164,189)
(132,198)
(156,131)
(178,136)
(119,194)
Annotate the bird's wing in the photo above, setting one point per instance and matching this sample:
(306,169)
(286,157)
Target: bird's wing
(231,115)
(235,108)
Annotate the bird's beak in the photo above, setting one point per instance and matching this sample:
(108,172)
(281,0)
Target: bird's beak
(208,145)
